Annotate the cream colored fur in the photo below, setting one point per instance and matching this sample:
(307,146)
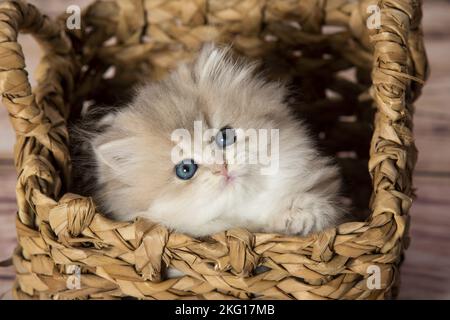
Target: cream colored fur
(135,174)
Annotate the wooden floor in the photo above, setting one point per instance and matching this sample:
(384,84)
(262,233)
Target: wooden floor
(426,271)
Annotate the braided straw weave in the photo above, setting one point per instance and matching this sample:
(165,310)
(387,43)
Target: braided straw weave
(315,44)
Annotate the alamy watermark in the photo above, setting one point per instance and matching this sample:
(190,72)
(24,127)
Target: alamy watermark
(73,21)
(251,146)
(373,281)
(374,19)
(73,282)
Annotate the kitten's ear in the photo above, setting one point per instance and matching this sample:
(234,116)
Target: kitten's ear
(116,154)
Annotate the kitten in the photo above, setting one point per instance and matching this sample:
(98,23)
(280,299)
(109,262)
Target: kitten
(143,167)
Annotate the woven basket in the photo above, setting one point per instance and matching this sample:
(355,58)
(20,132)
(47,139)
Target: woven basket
(357,84)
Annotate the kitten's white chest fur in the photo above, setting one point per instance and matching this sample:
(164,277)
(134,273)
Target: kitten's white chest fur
(137,174)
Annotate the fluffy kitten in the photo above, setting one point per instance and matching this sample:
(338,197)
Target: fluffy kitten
(137,174)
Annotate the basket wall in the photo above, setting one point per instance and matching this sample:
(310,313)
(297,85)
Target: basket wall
(357,86)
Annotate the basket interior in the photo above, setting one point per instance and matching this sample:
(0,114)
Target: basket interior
(329,87)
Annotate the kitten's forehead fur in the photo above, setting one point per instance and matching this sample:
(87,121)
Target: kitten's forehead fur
(215,89)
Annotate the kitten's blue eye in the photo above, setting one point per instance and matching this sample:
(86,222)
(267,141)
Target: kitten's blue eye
(225,137)
(186,169)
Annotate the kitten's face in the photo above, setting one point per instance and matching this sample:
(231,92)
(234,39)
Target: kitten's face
(143,159)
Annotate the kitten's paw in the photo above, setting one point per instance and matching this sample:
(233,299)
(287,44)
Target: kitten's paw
(295,222)
(307,214)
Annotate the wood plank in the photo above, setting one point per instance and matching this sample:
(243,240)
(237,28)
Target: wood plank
(8,210)
(430,124)
(426,270)
(6,283)
(435,94)
(435,16)
(432,189)
(432,119)
(425,273)
(433,155)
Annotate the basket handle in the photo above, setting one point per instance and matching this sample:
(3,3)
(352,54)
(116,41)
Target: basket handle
(15,88)
(38,133)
